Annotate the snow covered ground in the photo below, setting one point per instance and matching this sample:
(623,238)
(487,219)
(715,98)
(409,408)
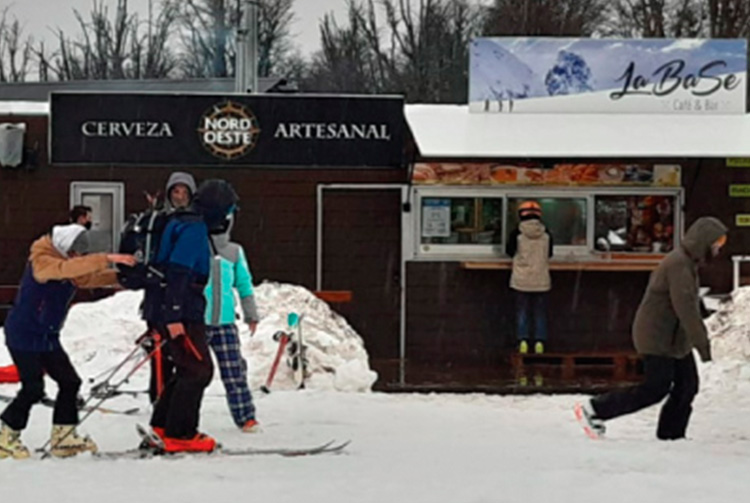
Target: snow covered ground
(405,448)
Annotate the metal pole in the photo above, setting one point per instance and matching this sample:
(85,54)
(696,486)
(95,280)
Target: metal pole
(246,71)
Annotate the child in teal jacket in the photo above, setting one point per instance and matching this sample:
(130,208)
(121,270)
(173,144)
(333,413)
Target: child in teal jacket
(230,271)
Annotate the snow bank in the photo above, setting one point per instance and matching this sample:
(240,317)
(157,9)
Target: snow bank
(99,334)
(337,359)
(728,375)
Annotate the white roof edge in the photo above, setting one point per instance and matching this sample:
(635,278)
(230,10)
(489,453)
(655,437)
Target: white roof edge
(24,108)
(452,132)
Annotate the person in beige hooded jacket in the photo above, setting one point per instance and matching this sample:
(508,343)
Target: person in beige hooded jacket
(531,247)
(667,327)
(57,267)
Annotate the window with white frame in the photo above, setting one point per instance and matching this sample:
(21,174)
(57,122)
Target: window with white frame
(463,223)
(475,222)
(107,203)
(635,223)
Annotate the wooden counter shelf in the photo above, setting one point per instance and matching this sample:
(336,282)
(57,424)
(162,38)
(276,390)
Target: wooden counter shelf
(617,262)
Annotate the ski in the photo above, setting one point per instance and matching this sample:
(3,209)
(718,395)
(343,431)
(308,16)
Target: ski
(49,402)
(327,448)
(148,437)
(297,350)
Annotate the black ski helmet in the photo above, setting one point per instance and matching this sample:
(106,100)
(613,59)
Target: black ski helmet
(215,200)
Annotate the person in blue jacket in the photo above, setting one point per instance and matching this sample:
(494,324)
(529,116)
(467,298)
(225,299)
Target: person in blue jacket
(177,310)
(230,271)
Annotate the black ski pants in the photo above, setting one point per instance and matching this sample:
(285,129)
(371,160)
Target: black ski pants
(672,377)
(167,368)
(31,368)
(178,409)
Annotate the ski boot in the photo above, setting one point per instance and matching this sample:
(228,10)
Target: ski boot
(151,444)
(11,445)
(592,425)
(199,443)
(251,426)
(66,441)
(523,347)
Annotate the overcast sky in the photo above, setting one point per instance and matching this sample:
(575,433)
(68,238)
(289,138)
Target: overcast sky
(38,16)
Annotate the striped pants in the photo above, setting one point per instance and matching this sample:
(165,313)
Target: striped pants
(225,342)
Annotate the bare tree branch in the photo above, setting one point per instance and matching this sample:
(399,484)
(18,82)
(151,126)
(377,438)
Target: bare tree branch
(15,49)
(208,33)
(120,48)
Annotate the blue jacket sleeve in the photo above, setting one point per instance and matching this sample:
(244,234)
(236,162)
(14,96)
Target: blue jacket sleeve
(187,263)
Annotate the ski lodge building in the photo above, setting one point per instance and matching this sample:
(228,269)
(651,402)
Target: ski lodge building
(399,214)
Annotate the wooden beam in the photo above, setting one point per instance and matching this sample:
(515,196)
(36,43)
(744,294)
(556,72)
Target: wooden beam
(335,296)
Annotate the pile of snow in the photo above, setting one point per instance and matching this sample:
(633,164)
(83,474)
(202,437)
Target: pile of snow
(99,334)
(337,359)
(729,331)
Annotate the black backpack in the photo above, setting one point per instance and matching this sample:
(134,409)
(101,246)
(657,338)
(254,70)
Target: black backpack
(141,236)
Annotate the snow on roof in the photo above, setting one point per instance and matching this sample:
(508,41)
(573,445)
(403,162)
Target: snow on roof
(450,131)
(24,108)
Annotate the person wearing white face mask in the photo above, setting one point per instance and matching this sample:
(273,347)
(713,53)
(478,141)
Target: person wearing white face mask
(56,268)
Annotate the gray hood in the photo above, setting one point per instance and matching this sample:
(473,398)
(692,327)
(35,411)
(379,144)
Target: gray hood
(532,228)
(701,235)
(176,178)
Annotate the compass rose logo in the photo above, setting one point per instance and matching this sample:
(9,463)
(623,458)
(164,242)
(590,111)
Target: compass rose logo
(229,130)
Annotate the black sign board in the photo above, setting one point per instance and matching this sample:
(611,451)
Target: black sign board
(227,130)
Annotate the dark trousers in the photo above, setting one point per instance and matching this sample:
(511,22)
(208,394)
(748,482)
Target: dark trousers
(167,371)
(31,368)
(676,378)
(178,409)
(531,306)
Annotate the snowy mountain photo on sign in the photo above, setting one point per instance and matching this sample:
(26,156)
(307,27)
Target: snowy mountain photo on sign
(529,68)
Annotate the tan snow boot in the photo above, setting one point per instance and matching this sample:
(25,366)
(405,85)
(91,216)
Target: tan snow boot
(11,445)
(67,442)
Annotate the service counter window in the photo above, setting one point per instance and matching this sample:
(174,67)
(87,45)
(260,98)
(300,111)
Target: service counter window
(461,225)
(636,223)
(465,223)
(566,219)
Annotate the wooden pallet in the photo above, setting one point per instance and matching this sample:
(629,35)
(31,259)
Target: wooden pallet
(621,363)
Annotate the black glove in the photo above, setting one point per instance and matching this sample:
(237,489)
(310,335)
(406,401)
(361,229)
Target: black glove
(146,341)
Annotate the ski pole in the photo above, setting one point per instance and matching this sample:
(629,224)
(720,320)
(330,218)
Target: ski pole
(283,339)
(113,370)
(104,385)
(191,347)
(158,366)
(101,401)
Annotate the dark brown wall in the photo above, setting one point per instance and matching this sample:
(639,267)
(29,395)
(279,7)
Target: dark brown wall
(468,316)
(706,185)
(452,314)
(362,253)
(276,222)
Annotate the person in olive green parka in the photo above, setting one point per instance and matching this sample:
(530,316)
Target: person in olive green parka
(667,327)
